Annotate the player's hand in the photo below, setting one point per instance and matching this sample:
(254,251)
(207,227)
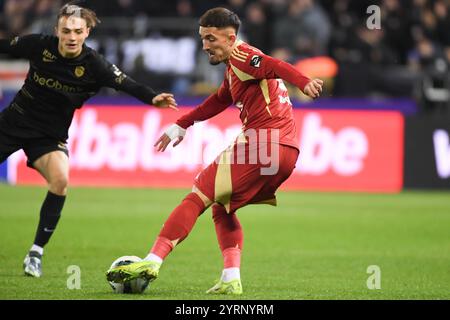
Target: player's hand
(174,131)
(314,88)
(165,100)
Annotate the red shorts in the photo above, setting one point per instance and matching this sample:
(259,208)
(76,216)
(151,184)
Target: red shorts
(238,178)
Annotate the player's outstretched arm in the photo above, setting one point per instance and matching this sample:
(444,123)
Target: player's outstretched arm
(262,66)
(212,106)
(111,76)
(146,94)
(286,71)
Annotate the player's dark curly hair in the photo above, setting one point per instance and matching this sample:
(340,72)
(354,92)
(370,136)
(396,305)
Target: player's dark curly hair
(73,9)
(220,18)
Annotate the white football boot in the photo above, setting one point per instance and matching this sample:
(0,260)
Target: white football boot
(32,264)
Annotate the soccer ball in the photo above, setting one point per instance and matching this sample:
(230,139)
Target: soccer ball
(132,286)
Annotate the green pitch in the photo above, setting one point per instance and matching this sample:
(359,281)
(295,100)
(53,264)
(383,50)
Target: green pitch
(312,246)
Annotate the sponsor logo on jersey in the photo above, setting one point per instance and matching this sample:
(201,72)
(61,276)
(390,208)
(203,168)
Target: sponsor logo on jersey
(255,61)
(47,56)
(54,84)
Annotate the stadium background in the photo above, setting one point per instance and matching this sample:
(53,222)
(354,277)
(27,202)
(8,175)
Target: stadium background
(381,126)
(362,135)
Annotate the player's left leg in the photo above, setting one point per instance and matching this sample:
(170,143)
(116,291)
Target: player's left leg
(54,167)
(230,237)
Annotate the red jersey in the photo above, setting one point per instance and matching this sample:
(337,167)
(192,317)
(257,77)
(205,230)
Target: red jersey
(254,83)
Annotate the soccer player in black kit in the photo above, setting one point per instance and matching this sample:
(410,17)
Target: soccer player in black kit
(63,74)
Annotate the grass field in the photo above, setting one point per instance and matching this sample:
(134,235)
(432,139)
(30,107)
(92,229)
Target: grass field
(312,246)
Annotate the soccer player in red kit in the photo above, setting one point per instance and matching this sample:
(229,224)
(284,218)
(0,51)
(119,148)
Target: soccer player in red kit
(252,168)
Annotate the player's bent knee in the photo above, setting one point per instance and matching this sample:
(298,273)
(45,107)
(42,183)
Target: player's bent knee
(58,185)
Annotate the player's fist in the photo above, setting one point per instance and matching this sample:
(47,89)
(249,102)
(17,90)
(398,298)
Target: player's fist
(165,100)
(174,131)
(314,88)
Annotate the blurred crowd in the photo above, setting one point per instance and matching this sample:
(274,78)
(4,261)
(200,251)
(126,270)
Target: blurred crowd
(414,38)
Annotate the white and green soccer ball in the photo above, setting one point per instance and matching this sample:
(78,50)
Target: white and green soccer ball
(132,286)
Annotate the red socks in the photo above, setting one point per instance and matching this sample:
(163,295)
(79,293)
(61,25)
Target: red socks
(231,258)
(230,236)
(162,247)
(178,225)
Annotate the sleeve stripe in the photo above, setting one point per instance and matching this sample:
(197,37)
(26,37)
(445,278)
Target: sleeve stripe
(238,58)
(240,53)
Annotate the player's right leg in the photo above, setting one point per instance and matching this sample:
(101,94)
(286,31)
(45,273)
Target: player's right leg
(53,165)
(175,229)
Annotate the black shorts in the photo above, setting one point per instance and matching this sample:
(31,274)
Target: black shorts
(34,148)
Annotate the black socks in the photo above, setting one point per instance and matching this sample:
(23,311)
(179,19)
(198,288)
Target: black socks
(50,214)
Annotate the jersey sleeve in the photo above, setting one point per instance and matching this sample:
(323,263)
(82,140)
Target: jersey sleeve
(21,46)
(106,73)
(249,64)
(109,75)
(212,106)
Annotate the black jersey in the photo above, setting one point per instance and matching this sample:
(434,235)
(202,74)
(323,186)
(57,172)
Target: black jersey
(56,86)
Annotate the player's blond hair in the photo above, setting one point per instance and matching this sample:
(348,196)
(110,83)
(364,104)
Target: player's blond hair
(88,15)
